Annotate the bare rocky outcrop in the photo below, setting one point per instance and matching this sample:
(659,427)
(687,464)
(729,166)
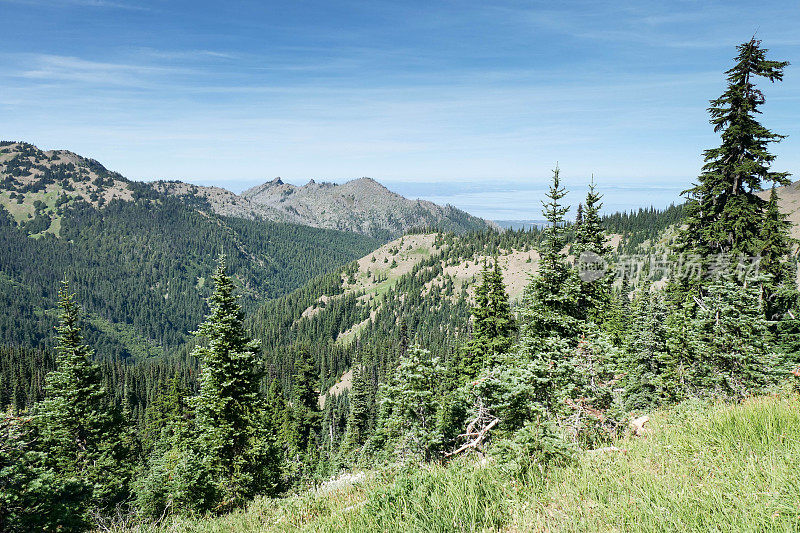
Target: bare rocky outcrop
(362,206)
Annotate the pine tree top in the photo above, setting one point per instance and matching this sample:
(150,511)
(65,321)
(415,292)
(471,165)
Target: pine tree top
(589,234)
(553,236)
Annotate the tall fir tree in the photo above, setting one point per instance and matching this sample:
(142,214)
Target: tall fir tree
(82,430)
(551,317)
(551,301)
(723,213)
(590,251)
(237,452)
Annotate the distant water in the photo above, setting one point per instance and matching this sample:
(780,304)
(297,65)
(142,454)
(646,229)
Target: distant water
(521,224)
(522,201)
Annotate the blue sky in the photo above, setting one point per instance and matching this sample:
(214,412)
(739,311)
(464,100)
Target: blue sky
(483,96)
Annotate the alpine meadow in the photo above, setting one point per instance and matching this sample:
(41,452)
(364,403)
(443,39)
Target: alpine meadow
(244,354)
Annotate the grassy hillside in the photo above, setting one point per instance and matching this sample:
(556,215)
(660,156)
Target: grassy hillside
(699,467)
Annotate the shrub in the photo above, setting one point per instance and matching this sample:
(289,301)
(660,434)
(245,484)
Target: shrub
(535,447)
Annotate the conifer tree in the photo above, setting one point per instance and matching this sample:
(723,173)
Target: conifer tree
(35,496)
(564,365)
(503,324)
(410,404)
(235,450)
(723,214)
(589,233)
(493,324)
(276,411)
(590,251)
(727,341)
(167,413)
(551,318)
(306,414)
(358,418)
(645,351)
(781,298)
(80,427)
(551,302)
(617,320)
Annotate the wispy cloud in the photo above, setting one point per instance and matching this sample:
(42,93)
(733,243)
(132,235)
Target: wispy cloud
(186,55)
(46,67)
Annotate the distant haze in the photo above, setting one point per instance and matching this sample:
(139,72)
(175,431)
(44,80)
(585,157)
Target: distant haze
(516,200)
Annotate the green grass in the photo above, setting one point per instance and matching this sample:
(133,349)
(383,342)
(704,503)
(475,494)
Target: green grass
(700,468)
(25,211)
(718,468)
(139,347)
(19,212)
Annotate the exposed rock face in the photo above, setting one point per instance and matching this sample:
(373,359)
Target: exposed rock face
(361,205)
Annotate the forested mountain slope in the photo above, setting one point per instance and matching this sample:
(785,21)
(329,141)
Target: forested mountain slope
(449,264)
(139,259)
(416,289)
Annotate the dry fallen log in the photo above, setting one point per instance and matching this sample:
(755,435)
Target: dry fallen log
(477,440)
(607,449)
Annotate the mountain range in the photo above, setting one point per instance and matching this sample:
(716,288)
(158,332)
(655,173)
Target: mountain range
(361,206)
